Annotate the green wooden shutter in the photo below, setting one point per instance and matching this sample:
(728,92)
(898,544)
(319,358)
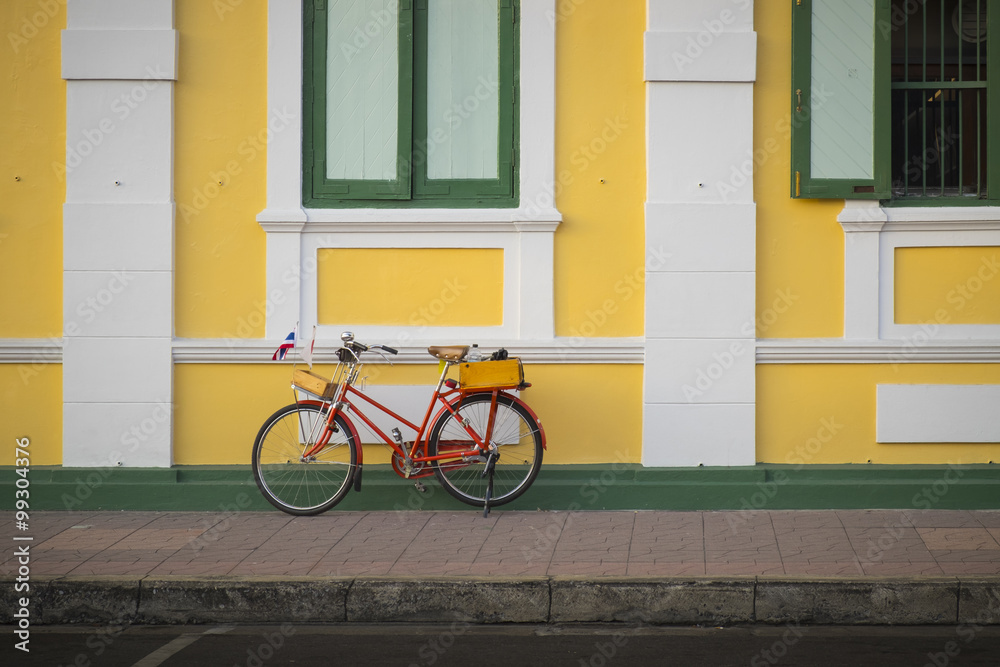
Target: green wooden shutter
(358,59)
(464,102)
(840,99)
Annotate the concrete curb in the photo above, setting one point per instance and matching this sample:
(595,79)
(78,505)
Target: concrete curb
(113,600)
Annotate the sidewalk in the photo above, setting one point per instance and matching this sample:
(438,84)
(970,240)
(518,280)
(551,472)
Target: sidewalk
(882,566)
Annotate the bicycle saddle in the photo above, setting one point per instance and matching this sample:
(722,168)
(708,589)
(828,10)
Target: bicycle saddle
(448,352)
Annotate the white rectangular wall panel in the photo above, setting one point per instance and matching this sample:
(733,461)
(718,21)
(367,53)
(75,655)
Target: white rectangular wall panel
(937,413)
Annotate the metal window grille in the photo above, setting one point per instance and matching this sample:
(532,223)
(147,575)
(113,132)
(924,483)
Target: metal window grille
(939,99)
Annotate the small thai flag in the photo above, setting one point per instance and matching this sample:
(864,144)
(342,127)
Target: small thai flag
(288,344)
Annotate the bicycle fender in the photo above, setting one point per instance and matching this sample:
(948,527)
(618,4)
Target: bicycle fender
(357,439)
(457,399)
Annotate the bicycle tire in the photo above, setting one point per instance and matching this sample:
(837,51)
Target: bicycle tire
(517,435)
(302,487)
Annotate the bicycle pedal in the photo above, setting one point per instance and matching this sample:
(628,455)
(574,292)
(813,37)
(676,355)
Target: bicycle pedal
(420,487)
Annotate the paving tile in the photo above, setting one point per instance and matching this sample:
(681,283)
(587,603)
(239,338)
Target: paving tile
(785,521)
(742,568)
(988,518)
(351,569)
(665,569)
(595,569)
(959,567)
(713,558)
(647,543)
(958,538)
(872,518)
(824,569)
(902,567)
(943,519)
(512,569)
(966,555)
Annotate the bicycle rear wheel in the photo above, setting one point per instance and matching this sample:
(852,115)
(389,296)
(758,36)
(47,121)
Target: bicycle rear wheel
(290,480)
(519,442)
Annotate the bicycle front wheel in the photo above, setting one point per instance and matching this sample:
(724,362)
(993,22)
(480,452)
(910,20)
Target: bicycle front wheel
(292,476)
(518,439)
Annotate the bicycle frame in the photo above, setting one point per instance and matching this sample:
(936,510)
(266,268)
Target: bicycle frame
(450,401)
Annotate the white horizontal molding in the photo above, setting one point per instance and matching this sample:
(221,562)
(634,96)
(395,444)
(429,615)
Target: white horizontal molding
(119,54)
(937,413)
(30,350)
(555,351)
(917,350)
(946,219)
(411,220)
(706,55)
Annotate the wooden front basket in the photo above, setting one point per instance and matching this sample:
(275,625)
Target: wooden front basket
(506,374)
(314,384)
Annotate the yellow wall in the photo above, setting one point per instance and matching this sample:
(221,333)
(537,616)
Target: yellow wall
(221,98)
(412,287)
(947,285)
(220,408)
(221,125)
(32,141)
(31,407)
(600,136)
(826,413)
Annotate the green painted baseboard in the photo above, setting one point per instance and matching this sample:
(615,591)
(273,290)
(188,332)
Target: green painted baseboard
(570,487)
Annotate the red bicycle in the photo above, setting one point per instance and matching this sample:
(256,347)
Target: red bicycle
(483,443)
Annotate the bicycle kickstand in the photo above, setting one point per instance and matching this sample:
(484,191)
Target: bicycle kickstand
(491,462)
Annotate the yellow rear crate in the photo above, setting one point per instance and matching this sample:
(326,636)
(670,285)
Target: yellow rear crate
(317,385)
(505,374)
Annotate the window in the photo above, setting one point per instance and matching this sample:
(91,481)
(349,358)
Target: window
(410,103)
(890,101)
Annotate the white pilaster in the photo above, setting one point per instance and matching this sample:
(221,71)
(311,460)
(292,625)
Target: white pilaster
(699,384)
(119,59)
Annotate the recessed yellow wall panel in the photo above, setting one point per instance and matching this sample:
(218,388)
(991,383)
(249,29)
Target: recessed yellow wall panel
(411,287)
(957,285)
(825,413)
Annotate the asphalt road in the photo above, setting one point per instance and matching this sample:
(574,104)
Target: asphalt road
(466,645)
